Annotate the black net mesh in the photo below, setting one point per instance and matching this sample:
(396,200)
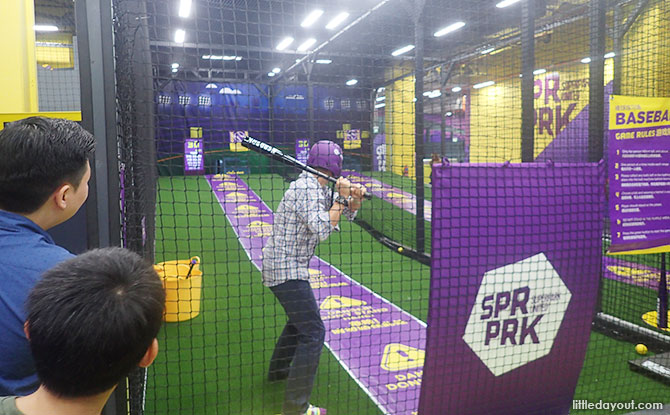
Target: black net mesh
(433,106)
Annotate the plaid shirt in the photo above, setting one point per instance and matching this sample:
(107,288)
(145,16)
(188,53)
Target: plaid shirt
(300,223)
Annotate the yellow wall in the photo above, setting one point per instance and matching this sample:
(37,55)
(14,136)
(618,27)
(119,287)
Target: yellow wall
(495,111)
(55,50)
(18,68)
(400,125)
(68,115)
(561,94)
(646,58)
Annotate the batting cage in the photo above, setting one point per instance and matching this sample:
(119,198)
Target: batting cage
(482,231)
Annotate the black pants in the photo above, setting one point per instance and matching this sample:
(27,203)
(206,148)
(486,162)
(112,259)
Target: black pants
(296,355)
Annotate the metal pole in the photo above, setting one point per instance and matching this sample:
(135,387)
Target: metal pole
(527,81)
(597,80)
(96,67)
(617,45)
(662,308)
(310,102)
(443,123)
(96,63)
(373,117)
(271,112)
(418,125)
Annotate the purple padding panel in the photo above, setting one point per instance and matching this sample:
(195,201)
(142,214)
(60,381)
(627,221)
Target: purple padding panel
(514,279)
(380,345)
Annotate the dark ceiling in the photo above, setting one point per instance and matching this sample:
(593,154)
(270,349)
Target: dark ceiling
(251,29)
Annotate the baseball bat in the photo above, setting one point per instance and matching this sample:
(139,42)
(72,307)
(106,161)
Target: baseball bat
(276,154)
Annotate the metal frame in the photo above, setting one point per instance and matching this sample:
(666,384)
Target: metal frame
(98,110)
(419,15)
(597,16)
(527,82)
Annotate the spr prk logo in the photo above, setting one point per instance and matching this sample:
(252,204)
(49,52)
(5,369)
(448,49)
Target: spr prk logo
(517,313)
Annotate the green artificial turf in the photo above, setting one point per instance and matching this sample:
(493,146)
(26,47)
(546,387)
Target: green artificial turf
(392,221)
(216,363)
(628,302)
(606,376)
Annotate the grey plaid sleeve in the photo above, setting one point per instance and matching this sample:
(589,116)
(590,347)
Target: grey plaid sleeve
(311,206)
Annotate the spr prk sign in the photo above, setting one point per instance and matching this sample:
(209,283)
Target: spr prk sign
(517,313)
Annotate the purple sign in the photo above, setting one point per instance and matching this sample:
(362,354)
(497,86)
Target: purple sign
(514,278)
(380,345)
(302,150)
(379,156)
(194,159)
(639,174)
(400,198)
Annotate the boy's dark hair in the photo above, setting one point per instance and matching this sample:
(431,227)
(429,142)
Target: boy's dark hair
(91,319)
(37,155)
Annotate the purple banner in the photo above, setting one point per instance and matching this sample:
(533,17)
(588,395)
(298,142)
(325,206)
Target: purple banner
(194,156)
(379,155)
(515,267)
(302,150)
(377,343)
(400,198)
(639,174)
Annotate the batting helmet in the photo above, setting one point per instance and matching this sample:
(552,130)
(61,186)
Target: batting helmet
(326,155)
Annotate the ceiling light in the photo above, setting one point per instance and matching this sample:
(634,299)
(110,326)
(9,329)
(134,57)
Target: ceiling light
(337,20)
(610,55)
(539,71)
(449,114)
(179,36)
(284,43)
(175,65)
(483,84)
(487,51)
(276,70)
(382,105)
(230,91)
(324,61)
(184,8)
(271,74)
(222,57)
(434,93)
(211,86)
(352,82)
(586,60)
(402,50)
(311,18)
(306,44)
(174,70)
(452,27)
(45,28)
(456,89)
(506,3)
(382,98)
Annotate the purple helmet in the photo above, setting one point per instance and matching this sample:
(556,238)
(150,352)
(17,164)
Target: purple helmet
(327,155)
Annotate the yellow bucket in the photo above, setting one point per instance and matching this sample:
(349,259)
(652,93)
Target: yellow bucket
(182,295)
